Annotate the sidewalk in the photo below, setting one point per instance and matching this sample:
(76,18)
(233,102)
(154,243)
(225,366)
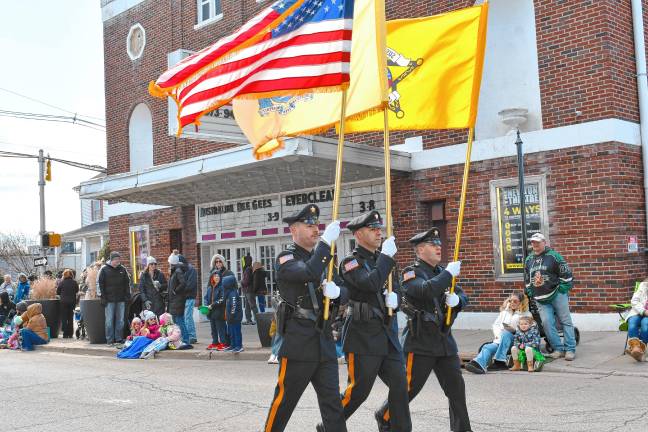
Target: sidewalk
(598,352)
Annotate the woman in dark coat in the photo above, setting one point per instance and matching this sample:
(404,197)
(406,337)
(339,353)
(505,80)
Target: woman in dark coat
(67,290)
(178,292)
(7,308)
(152,287)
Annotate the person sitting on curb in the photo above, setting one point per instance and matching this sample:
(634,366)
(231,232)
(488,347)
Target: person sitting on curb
(504,327)
(34,327)
(638,323)
(526,346)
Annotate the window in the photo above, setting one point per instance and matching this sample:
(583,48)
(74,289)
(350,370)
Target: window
(96,210)
(436,216)
(71,247)
(208,11)
(175,239)
(507,225)
(140,137)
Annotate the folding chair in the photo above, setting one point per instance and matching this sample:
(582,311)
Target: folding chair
(623,309)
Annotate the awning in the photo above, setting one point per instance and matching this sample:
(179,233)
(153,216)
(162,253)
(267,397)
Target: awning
(95,229)
(304,163)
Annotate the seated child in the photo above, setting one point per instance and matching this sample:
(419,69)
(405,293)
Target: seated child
(137,329)
(526,345)
(14,341)
(151,325)
(166,321)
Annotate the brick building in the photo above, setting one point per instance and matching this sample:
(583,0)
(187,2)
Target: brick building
(565,71)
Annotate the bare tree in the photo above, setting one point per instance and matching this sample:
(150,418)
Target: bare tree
(14,252)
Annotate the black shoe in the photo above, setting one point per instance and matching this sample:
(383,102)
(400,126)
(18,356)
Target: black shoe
(383,426)
(474,367)
(320,427)
(497,365)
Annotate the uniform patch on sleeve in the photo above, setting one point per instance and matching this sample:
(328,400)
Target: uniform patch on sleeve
(351,265)
(409,275)
(285,258)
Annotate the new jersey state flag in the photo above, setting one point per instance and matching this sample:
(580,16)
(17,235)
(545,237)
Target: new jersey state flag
(434,68)
(266,122)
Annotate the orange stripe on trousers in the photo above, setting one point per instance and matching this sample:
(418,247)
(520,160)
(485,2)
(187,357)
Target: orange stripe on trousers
(410,363)
(349,389)
(279,398)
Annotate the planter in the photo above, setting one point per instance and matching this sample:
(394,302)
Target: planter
(52,314)
(263,327)
(94,318)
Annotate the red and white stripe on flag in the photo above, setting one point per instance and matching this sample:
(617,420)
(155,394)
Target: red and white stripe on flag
(310,50)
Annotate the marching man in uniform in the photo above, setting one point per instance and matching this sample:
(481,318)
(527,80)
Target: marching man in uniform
(429,344)
(370,335)
(307,353)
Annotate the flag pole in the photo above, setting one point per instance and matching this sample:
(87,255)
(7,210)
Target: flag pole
(462,207)
(388,208)
(336,194)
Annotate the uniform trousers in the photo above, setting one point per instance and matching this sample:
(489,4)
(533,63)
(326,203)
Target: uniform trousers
(294,377)
(448,371)
(362,373)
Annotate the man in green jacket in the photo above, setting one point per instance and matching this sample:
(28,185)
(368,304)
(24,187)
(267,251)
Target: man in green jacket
(548,279)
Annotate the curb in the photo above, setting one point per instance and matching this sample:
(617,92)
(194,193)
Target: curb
(254,354)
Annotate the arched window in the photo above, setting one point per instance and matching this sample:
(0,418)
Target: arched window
(140,137)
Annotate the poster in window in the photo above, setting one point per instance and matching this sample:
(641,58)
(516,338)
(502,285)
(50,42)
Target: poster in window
(509,223)
(140,250)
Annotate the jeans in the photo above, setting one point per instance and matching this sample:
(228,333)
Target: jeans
(496,350)
(276,344)
(180,322)
(188,316)
(250,306)
(114,312)
(262,303)
(236,337)
(638,327)
(219,331)
(29,339)
(559,307)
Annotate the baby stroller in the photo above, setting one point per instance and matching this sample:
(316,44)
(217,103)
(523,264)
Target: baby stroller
(533,308)
(80,325)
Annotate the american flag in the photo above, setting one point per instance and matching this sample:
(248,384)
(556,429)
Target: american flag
(309,49)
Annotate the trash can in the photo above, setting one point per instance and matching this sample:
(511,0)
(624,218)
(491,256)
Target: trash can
(94,318)
(263,327)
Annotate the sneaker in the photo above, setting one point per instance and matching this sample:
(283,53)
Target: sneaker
(212,347)
(497,365)
(237,350)
(474,367)
(223,348)
(570,355)
(557,354)
(273,359)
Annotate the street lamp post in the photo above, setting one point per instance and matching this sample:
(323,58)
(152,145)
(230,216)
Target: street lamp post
(520,164)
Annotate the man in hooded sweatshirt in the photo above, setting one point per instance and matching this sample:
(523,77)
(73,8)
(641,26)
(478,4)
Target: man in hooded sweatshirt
(34,331)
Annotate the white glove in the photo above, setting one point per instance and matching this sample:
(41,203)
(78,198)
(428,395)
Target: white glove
(451,300)
(391,299)
(394,96)
(331,290)
(389,247)
(454,268)
(331,233)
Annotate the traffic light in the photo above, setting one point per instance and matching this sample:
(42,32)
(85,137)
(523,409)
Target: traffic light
(48,170)
(51,240)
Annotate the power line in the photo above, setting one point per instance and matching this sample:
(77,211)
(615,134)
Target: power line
(52,118)
(48,104)
(57,150)
(9,154)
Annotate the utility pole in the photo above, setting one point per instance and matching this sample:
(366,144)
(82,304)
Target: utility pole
(520,162)
(41,188)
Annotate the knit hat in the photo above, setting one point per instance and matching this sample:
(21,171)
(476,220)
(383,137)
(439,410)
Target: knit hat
(150,260)
(218,257)
(114,254)
(17,320)
(147,315)
(21,307)
(174,259)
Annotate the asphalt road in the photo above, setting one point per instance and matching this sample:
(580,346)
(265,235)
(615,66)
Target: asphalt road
(60,392)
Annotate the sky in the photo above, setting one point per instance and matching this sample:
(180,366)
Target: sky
(51,51)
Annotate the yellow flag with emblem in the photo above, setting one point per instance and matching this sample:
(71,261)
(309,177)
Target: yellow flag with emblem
(266,122)
(434,71)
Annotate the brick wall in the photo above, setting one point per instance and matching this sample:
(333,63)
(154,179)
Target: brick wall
(594,198)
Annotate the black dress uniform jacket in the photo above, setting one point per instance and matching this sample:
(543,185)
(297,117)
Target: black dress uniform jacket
(296,267)
(365,275)
(424,290)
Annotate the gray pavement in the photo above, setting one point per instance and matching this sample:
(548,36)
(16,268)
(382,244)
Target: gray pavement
(46,391)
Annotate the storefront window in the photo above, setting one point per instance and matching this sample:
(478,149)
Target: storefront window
(139,249)
(507,224)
